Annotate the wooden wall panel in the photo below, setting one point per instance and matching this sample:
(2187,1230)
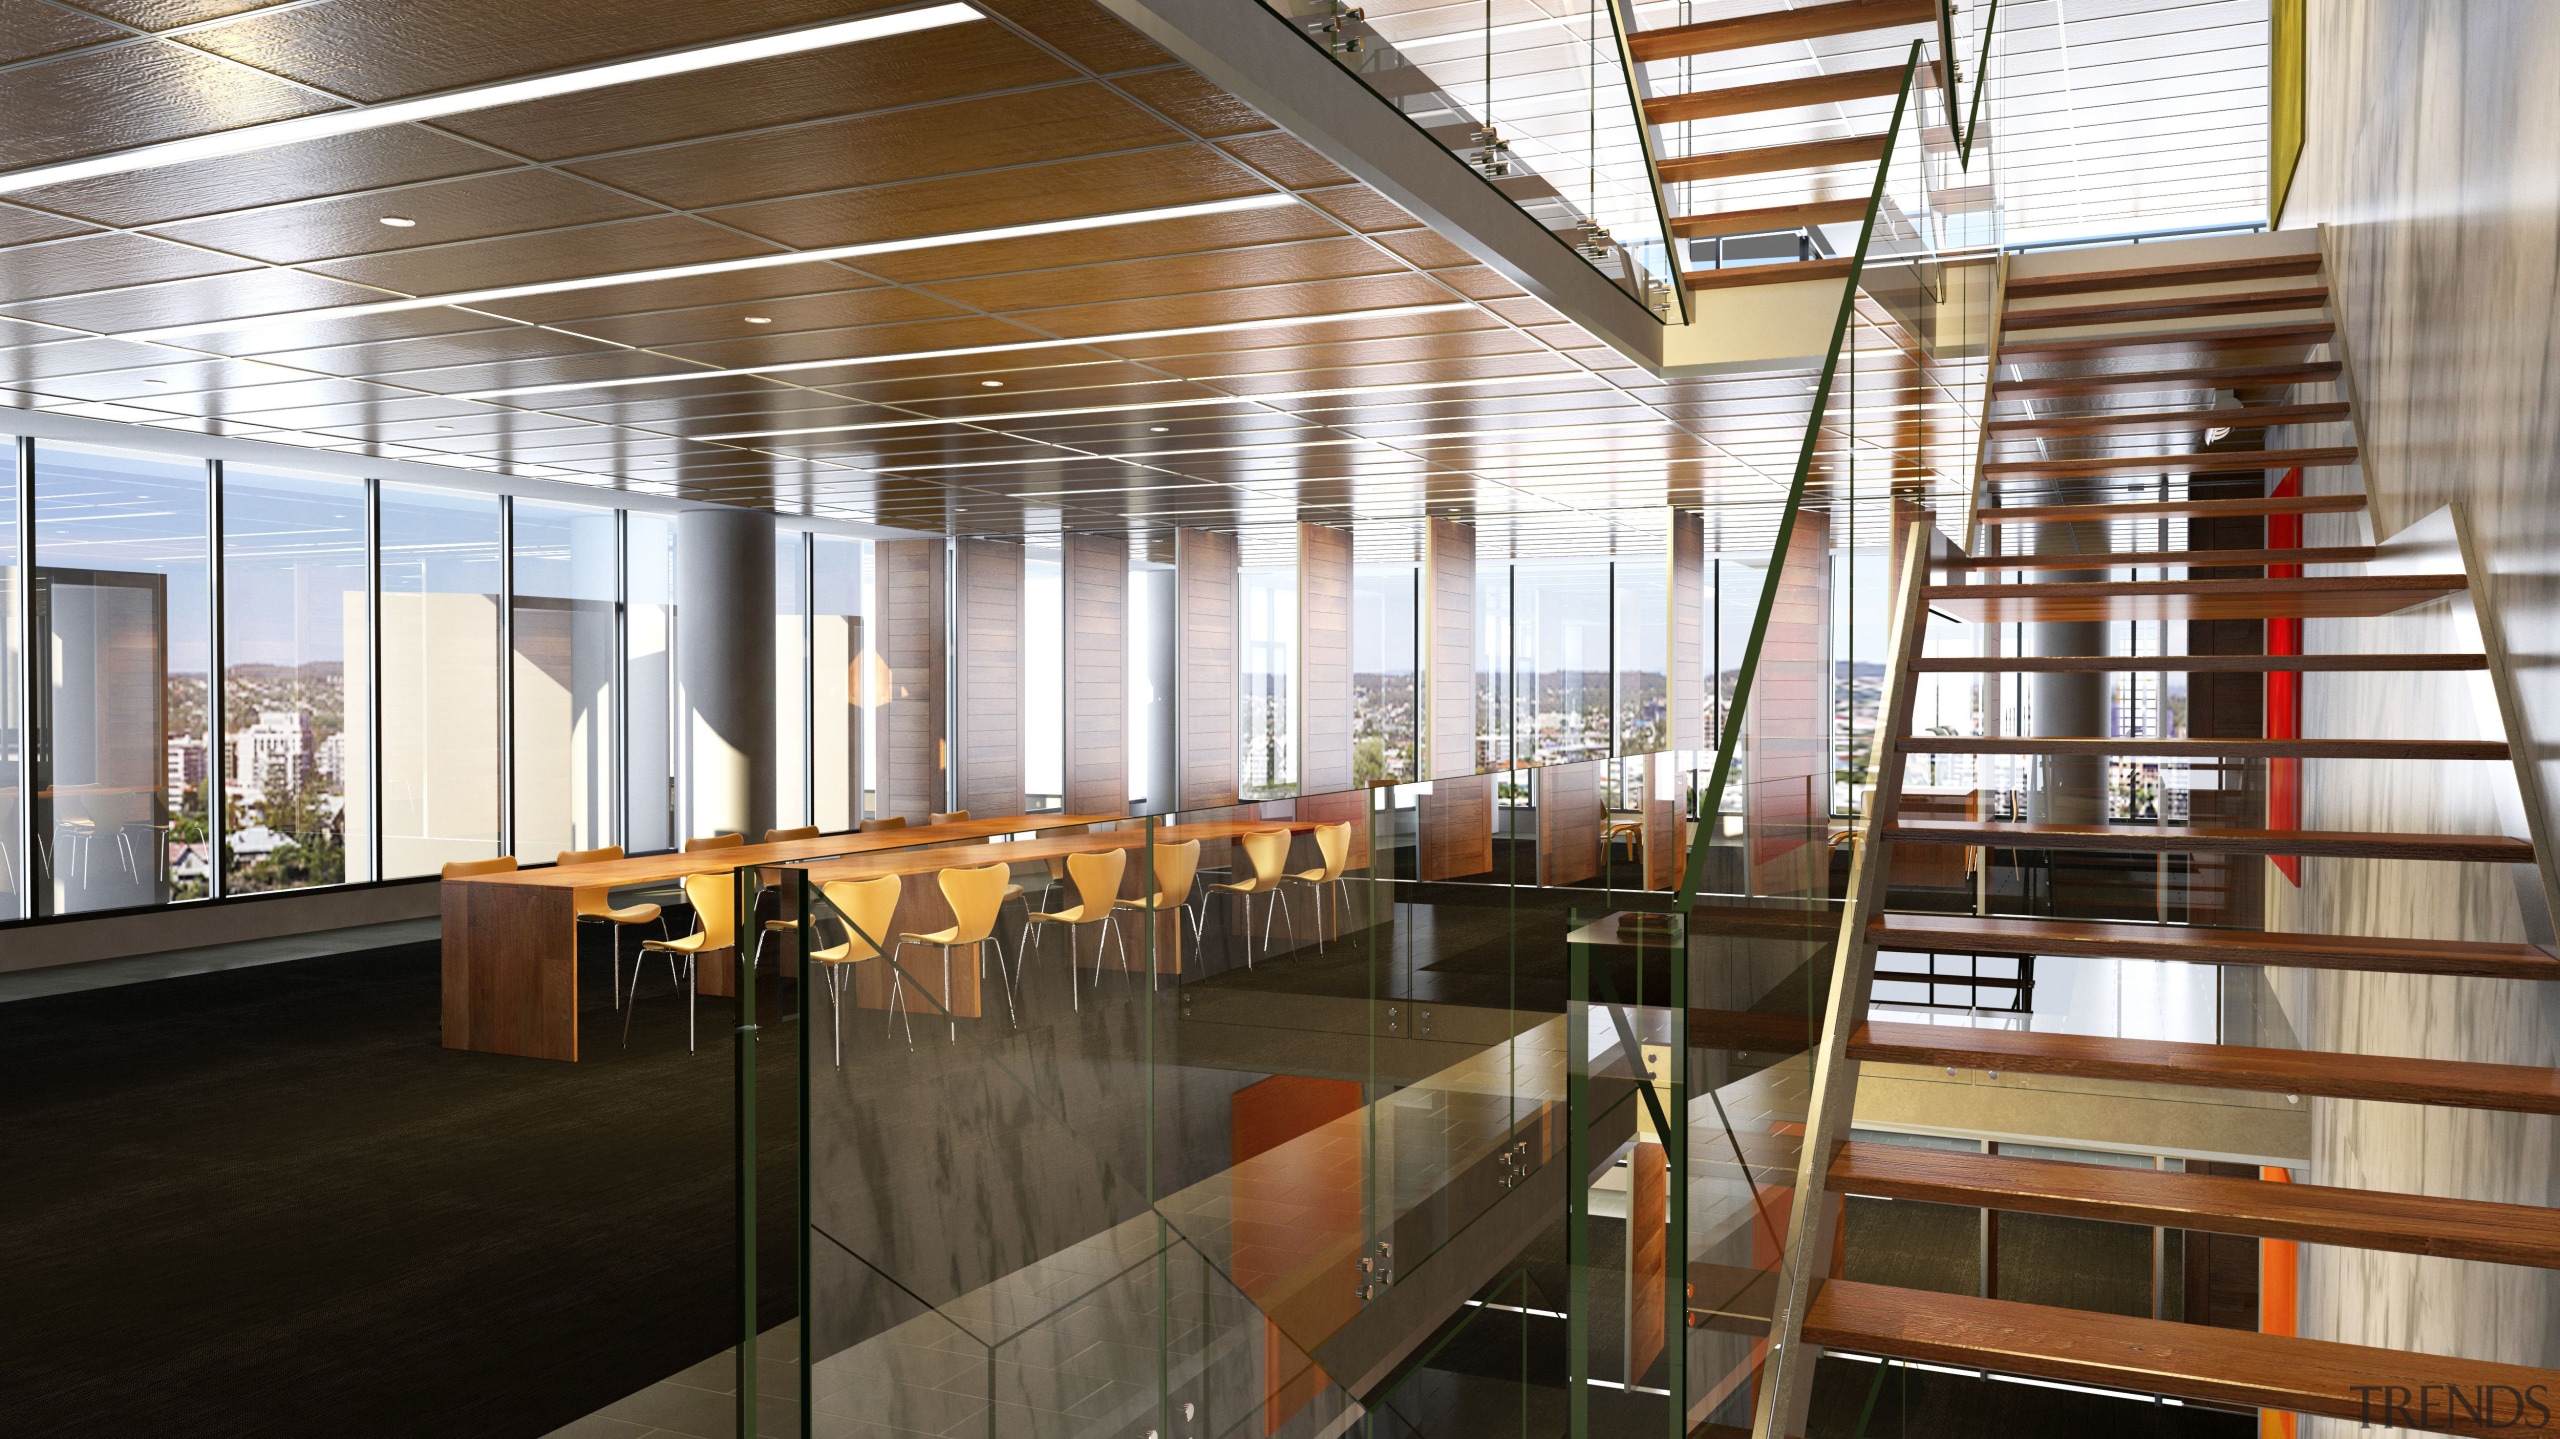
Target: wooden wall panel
(1568,822)
(1204,567)
(1788,724)
(1456,827)
(913,778)
(1688,631)
(1324,660)
(1097,674)
(987,689)
(1449,651)
(1666,829)
(1347,806)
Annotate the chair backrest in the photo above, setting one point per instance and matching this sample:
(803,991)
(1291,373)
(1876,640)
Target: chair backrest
(886,821)
(1097,875)
(464,868)
(1269,851)
(714,898)
(975,896)
(1333,841)
(1175,865)
(954,817)
(714,841)
(590,856)
(778,836)
(870,906)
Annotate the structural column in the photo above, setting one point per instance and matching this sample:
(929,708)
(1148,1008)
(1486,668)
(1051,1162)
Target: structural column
(1097,674)
(914,759)
(724,659)
(1204,565)
(987,647)
(1324,660)
(2072,788)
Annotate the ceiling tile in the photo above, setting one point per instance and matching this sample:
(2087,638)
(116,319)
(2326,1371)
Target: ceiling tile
(369,159)
(639,244)
(1185,96)
(97,262)
(470,208)
(96,101)
(1336,258)
(29,28)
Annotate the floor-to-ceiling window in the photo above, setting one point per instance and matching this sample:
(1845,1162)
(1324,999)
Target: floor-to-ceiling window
(791,679)
(443,568)
(1382,673)
(1497,687)
(295,632)
(1640,646)
(122,624)
(649,679)
(1044,677)
(1560,617)
(838,580)
(1267,668)
(15,872)
(562,668)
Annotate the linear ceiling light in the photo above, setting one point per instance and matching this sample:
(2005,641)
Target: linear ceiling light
(247,139)
(458,298)
(1007,417)
(1280,322)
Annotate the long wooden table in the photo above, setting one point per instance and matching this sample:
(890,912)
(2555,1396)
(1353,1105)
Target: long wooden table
(922,910)
(511,940)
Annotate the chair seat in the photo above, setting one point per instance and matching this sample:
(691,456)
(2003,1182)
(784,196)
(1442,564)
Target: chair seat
(628,914)
(690,944)
(1159,901)
(781,926)
(939,936)
(1252,886)
(1078,914)
(1311,876)
(841,954)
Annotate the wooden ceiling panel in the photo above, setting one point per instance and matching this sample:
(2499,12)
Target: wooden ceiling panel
(1029,127)
(250,401)
(388,358)
(1417,372)
(162,384)
(378,50)
(793,315)
(1273,347)
(379,407)
(94,101)
(475,207)
(290,343)
(1361,208)
(21,226)
(394,156)
(988,407)
(1425,248)
(1321,297)
(166,14)
(1085,33)
(770,405)
(945,327)
(889,73)
(569,369)
(32,364)
(1287,159)
(580,308)
(524,259)
(97,262)
(1180,430)
(1028,381)
(1185,96)
(1062,190)
(464,428)
(1479,282)
(1100,246)
(244,290)
(1341,257)
(29,28)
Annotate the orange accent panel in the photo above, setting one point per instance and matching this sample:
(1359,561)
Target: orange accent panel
(2279,1297)
(1297,1218)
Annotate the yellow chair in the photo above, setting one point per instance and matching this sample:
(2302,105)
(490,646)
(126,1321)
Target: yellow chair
(891,821)
(595,906)
(465,868)
(1097,879)
(714,841)
(975,895)
(865,908)
(778,926)
(715,920)
(954,817)
(1333,846)
(1268,851)
(1176,866)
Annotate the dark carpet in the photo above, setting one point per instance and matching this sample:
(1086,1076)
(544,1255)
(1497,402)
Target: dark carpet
(268,1202)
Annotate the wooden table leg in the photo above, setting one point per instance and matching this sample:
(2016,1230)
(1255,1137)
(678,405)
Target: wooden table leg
(511,969)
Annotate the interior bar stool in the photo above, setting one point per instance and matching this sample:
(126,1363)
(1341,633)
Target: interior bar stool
(865,908)
(1333,846)
(1096,875)
(595,906)
(714,901)
(1176,864)
(974,895)
(1268,850)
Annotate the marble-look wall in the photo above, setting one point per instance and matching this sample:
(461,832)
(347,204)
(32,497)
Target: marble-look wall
(2434,164)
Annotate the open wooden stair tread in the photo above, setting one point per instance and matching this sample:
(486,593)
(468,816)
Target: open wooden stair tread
(2238,337)
(2160,1356)
(2201,377)
(2099,939)
(1765,218)
(2150,509)
(2195,664)
(2163,559)
(2197,272)
(2272,597)
(2190,839)
(1778,27)
(2167,422)
(1778,272)
(2516,1088)
(2195,463)
(1769,159)
(1774,95)
(2221,1204)
(2436,749)
(2182,307)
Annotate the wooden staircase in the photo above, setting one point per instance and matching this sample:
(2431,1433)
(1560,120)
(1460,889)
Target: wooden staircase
(2144,411)
(1822,180)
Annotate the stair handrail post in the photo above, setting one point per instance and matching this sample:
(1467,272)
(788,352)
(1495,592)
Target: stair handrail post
(1786,1387)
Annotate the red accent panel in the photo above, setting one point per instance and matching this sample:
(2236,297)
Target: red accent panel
(2284,691)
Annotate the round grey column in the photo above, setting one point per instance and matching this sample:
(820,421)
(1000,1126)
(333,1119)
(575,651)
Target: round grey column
(2069,706)
(724,668)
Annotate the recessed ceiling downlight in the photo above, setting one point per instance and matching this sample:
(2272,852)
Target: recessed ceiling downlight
(398,222)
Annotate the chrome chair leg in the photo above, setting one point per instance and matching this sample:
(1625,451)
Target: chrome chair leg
(692,993)
(633,1008)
